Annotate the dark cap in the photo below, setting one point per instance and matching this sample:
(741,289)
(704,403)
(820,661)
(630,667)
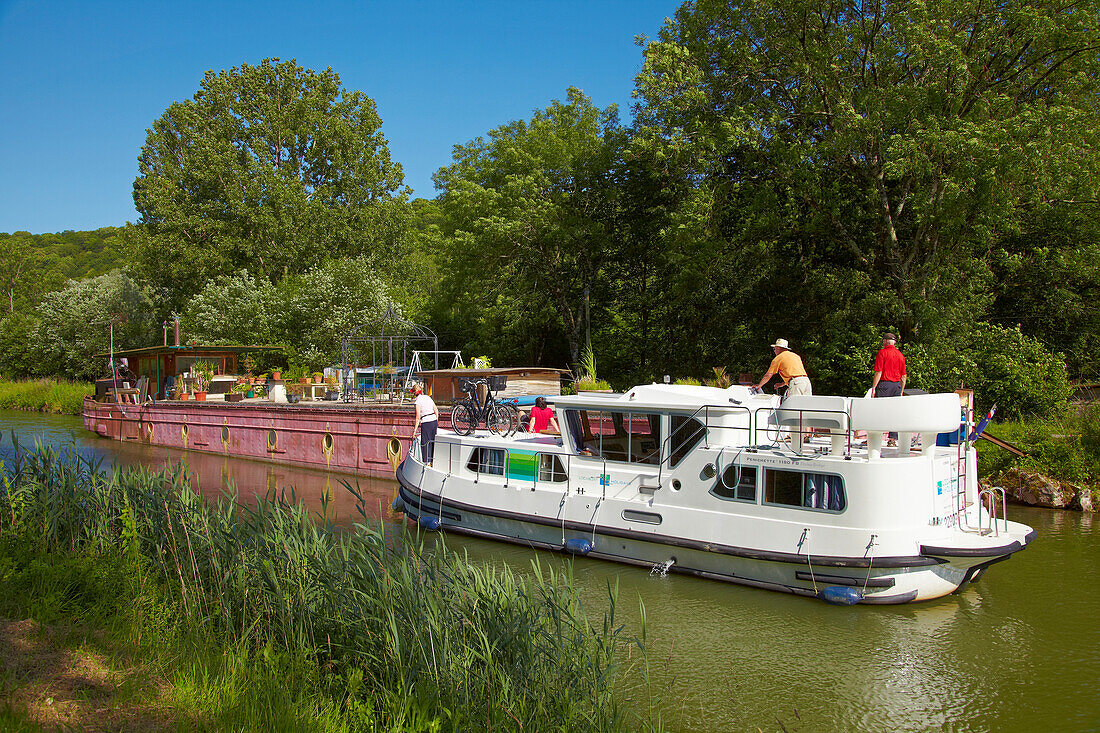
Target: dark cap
(889,336)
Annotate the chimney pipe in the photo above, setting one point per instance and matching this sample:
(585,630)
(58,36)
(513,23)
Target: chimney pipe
(176,330)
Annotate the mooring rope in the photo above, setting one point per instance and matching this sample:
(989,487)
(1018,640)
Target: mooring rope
(870,561)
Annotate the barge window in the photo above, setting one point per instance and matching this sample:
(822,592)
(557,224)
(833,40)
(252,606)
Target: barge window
(628,437)
(550,469)
(737,482)
(805,490)
(632,515)
(684,434)
(487,460)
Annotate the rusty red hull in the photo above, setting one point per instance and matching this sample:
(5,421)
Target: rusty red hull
(349,439)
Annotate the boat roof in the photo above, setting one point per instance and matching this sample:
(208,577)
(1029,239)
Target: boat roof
(667,396)
(207,349)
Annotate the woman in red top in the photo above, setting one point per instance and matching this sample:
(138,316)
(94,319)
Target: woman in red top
(542,417)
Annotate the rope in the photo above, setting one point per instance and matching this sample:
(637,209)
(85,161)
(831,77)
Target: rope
(810,565)
(871,561)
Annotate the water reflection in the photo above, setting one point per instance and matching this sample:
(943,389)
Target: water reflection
(1019,650)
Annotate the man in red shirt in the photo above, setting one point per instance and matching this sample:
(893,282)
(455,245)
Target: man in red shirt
(890,375)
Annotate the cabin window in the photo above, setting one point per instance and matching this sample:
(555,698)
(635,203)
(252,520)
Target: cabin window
(550,469)
(737,483)
(628,437)
(684,434)
(806,490)
(487,460)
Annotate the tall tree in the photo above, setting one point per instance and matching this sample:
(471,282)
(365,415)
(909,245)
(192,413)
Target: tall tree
(909,134)
(274,168)
(531,206)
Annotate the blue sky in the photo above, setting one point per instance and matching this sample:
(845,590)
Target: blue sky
(84,80)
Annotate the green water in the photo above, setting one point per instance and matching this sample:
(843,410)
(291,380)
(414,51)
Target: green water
(1018,651)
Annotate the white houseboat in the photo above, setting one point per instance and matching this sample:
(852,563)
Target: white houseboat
(729,484)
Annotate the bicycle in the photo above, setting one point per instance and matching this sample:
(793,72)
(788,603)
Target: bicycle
(468,414)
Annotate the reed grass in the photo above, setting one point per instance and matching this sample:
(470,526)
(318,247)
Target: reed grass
(404,637)
(44,395)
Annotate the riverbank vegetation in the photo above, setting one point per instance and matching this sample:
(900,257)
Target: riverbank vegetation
(44,395)
(257,615)
(818,177)
(1064,446)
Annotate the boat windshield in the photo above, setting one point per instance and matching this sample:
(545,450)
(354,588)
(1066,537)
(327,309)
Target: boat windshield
(616,435)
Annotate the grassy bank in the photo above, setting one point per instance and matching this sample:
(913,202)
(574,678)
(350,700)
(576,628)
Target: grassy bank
(259,616)
(1065,447)
(44,395)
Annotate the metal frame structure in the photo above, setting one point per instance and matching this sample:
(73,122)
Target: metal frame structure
(389,339)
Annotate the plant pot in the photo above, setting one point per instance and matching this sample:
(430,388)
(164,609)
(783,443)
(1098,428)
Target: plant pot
(250,394)
(317,380)
(234,397)
(293,398)
(185,396)
(276,375)
(200,397)
(332,395)
(304,380)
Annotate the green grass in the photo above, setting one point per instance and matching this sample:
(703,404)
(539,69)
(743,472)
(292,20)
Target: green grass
(259,614)
(44,395)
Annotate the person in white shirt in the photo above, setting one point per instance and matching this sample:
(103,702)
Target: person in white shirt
(426,422)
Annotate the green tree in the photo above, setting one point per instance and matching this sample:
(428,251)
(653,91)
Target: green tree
(904,137)
(272,168)
(75,324)
(529,211)
(19,355)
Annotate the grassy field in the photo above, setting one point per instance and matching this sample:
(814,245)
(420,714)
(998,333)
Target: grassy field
(44,395)
(173,613)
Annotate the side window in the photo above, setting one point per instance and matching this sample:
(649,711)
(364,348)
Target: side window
(684,434)
(550,469)
(804,490)
(487,460)
(737,482)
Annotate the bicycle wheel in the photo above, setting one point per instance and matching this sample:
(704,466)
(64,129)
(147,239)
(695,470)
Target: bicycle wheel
(500,420)
(517,420)
(463,419)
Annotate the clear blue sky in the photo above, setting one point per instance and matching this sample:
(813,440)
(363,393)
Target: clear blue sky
(82,81)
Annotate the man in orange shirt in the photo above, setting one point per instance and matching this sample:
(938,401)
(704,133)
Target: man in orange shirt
(788,365)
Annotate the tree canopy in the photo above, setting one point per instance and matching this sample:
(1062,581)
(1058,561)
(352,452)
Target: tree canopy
(274,168)
(903,137)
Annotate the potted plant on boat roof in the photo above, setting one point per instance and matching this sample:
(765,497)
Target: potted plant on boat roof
(588,381)
(276,373)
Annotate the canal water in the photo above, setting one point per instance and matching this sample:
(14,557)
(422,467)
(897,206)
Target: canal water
(1018,651)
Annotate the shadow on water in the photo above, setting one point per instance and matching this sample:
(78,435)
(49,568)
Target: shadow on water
(1018,651)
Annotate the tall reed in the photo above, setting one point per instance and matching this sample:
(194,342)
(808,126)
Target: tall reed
(407,633)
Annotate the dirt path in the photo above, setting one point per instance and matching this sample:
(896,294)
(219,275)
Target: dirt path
(66,679)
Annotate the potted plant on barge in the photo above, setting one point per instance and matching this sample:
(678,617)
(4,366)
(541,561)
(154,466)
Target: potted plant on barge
(204,372)
(332,393)
(294,393)
(588,382)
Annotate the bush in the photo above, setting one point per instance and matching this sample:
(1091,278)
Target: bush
(1065,447)
(1001,365)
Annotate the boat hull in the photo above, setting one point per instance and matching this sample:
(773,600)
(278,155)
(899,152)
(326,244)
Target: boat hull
(341,438)
(884,580)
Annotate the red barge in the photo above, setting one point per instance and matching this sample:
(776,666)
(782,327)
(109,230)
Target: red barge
(335,436)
